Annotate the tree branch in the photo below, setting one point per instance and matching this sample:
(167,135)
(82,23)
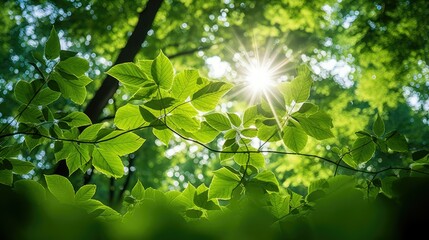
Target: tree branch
(189,51)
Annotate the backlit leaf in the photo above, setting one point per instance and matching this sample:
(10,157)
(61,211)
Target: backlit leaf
(128,73)
(107,163)
(162,71)
(60,187)
(223,183)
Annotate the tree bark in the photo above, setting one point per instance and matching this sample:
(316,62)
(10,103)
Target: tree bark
(127,54)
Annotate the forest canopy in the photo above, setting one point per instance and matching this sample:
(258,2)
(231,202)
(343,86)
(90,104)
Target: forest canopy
(213,119)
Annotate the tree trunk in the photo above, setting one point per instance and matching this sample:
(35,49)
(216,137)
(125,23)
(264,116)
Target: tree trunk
(127,54)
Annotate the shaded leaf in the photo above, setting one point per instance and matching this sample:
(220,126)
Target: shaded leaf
(52,45)
(363,149)
(77,119)
(397,142)
(378,126)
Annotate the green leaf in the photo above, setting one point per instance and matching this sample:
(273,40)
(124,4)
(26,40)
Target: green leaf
(121,143)
(75,66)
(143,92)
(279,205)
(397,142)
(75,90)
(45,97)
(6,177)
(38,56)
(200,199)
(146,66)
(363,149)
(159,104)
(97,209)
(270,134)
(362,134)
(21,167)
(90,133)
(294,138)
(128,74)
(128,117)
(308,108)
(297,90)
(235,119)
(138,191)
(79,156)
(162,71)
(86,192)
(52,46)
(10,151)
(60,187)
(163,135)
(317,125)
(77,119)
(218,121)
(250,116)
(249,132)
(184,84)
(276,103)
(107,162)
(185,109)
(378,126)
(194,213)
(420,154)
(62,150)
(31,142)
(208,97)
(25,93)
(32,189)
(206,133)
(147,115)
(64,54)
(268,179)
(6,164)
(255,159)
(179,121)
(230,135)
(316,195)
(223,183)
(348,159)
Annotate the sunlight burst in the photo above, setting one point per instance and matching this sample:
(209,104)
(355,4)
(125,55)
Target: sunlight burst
(259,78)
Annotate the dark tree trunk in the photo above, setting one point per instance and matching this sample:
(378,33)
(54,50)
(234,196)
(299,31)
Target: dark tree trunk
(127,54)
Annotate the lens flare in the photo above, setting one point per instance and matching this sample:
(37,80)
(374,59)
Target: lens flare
(259,78)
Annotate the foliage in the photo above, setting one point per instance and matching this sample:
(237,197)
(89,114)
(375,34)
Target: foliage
(244,197)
